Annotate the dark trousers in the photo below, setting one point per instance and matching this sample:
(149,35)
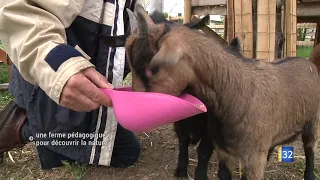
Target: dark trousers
(126,151)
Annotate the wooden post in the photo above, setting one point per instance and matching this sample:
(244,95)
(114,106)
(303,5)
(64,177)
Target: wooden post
(187,11)
(3,56)
(225,32)
(230,21)
(243,25)
(291,27)
(317,35)
(266,26)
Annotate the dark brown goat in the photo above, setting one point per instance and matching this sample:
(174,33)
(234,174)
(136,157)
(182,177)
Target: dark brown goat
(315,56)
(194,129)
(256,106)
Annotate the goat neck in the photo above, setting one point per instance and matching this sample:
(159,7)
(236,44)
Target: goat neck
(220,75)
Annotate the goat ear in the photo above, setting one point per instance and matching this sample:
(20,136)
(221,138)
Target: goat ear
(198,23)
(144,20)
(169,55)
(132,20)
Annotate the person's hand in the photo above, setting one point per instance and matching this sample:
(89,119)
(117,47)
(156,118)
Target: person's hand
(82,93)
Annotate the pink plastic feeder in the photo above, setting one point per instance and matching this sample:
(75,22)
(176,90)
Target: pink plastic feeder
(144,111)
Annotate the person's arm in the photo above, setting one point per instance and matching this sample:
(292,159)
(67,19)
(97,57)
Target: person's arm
(33,33)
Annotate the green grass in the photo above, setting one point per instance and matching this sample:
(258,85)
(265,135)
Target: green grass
(304,51)
(77,170)
(5,96)
(4,76)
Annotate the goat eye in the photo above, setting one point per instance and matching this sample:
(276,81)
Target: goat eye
(155,70)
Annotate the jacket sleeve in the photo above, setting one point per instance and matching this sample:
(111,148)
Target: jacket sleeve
(33,33)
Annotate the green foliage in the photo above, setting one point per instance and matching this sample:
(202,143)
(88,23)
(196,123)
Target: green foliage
(166,14)
(304,51)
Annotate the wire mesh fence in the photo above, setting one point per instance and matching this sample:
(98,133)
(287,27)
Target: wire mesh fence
(305,38)
(268,29)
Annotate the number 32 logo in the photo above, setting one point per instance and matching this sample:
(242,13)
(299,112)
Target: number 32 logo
(287,154)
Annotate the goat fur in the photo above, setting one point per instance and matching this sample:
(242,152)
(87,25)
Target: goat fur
(252,106)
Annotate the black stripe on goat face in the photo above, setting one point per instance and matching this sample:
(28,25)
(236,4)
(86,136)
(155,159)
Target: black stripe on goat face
(146,48)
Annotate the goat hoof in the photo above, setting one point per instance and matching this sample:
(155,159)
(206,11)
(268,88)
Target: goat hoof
(181,173)
(202,177)
(309,176)
(244,178)
(200,174)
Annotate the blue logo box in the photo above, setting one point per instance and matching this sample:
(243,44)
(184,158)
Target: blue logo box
(287,154)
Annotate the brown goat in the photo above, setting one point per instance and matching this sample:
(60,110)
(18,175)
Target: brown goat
(315,56)
(194,129)
(256,106)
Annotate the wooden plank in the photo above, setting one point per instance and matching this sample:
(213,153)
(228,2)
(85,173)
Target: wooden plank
(225,28)
(187,11)
(243,25)
(291,27)
(208,2)
(305,43)
(230,16)
(284,28)
(272,31)
(303,1)
(212,10)
(294,30)
(317,35)
(266,18)
(306,25)
(308,9)
(311,19)
(262,30)
(3,56)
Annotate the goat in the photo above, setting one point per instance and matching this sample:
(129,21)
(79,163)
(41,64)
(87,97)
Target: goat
(252,106)
(194,129)
(315,56)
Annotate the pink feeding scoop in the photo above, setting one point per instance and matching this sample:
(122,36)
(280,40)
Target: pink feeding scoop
(144,111)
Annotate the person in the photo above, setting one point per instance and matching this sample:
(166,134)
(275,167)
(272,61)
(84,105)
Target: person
(63,52)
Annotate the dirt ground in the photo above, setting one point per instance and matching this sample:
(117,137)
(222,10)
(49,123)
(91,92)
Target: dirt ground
(158,160)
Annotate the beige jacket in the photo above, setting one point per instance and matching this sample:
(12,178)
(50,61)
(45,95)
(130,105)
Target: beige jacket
(30,29)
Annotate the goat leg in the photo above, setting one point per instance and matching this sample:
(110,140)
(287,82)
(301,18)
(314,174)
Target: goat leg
(204,150)
(269,152)
(225,163)
(224,173)
(183,159)
(255,165)
(309,143)
(1,157)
